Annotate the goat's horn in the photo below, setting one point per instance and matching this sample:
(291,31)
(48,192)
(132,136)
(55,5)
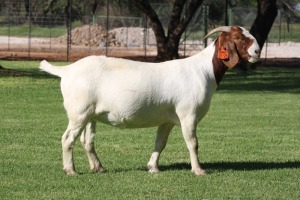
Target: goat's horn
(219,29)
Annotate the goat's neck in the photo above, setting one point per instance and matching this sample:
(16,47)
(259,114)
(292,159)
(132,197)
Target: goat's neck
(219,67)
(209,60)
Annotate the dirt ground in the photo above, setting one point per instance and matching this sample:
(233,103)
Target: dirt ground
(16,48)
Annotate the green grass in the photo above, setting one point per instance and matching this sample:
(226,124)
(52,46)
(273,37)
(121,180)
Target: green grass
(36,31)
(249,144)
(285,35)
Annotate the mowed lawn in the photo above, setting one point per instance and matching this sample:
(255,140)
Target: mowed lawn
(249,144)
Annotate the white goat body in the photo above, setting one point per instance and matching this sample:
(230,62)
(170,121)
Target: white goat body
(131,94)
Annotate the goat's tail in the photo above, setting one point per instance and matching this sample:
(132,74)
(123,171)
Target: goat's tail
(47,67)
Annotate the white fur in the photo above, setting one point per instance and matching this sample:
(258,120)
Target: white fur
(254,50)
(130,94)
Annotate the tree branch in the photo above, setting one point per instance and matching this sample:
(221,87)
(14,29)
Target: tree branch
(290,8)
(176,15)
(266,14)
(178,24)
(155,23)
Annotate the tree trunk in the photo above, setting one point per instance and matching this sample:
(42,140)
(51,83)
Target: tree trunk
(266,14)
(167,49)
(167,45)
(28,15)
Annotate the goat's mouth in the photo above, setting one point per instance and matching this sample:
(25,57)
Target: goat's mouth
(254,59)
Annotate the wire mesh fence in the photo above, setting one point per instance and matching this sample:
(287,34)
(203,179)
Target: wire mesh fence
(31,34)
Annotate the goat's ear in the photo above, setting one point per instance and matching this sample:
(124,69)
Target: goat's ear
(233,57)
(227,51)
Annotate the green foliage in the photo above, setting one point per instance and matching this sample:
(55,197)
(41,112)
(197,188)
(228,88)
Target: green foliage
(249,144)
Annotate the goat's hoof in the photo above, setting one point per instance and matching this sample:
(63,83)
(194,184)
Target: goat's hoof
(199,172)
(99,170)
(152,169)
(70,172)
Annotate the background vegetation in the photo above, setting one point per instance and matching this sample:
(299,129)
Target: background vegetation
(249,144)
(51,16)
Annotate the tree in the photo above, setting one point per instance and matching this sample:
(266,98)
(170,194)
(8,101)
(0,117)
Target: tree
(266,14)
(288,7)
(167,44)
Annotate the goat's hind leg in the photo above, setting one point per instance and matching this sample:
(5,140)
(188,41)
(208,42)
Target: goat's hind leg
(68,141)
(163,132)
(87,141)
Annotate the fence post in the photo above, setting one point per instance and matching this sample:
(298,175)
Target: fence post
(226,12)
(266,50)
(145,37)
(29,31)
(230,17)
(107,26)
(205,19)
(69,29)
(90,35)
(50,32)
(279,15)
(9,25)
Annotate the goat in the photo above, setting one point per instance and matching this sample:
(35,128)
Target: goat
(131,94)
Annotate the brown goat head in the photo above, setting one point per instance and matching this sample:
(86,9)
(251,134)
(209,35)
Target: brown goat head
(235,44)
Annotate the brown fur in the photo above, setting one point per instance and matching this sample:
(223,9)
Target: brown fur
(236,44)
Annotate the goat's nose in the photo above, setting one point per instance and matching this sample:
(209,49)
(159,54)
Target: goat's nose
(257,51)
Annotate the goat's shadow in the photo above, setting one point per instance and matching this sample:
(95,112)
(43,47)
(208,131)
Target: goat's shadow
(218,167)
(235,166)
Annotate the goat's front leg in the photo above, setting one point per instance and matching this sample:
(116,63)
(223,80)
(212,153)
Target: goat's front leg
(188,126)
(87,141)
(163,132)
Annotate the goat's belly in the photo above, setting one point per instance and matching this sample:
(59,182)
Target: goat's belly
(137,120)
